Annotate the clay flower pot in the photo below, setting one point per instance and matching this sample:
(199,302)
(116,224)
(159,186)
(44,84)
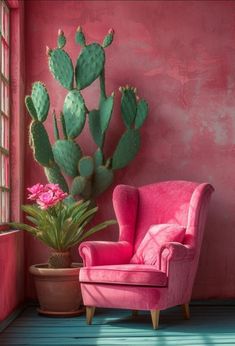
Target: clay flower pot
(58,289)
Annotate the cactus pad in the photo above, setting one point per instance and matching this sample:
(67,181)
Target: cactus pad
(103,178)
(106,109)
(87,191)
(55,127)
(108,39)
(61,67)
(95,127)
(86,166)
(78,185)
(40,100)
(41,146)
(89,65)
(74,113)
(98,157)
(127,149)
(142,111)
(64,129)
(128,106)
(54,176)
(67,154)
(61,40)
(30,107)
(80,38)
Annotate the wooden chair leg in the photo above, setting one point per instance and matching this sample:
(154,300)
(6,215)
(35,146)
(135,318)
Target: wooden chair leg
(90,310)
(186,311)
(155,318)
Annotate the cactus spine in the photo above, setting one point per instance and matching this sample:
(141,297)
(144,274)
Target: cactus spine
(92,175)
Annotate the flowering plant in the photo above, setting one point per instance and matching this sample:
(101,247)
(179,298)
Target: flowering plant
(58,224)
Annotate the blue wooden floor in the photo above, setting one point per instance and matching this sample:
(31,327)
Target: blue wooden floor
(209,325)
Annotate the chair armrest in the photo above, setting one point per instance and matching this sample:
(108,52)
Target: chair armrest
(174,251)
(96,253)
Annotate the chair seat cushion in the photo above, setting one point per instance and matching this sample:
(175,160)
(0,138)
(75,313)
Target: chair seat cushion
(149,249)
(124,274)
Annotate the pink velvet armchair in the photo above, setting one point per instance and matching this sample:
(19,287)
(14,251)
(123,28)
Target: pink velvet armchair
(154,263)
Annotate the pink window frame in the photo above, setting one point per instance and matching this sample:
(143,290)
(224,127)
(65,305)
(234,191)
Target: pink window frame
(17,91)
(4,113)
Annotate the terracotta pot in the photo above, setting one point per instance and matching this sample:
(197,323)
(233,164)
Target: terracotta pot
(58,289)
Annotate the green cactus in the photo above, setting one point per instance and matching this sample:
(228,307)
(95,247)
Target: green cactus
(108,39)
(74,113)
(87,191)
(67,154)
(61,66)
(103,178)
(61,40)
(95,127)
(30,107)
(80,38)
(40,144)
(54,176)
(86,166)
(127,149)
(55,127)
(40,100)
(78,185)
(98,158)
(106,109)
(128,106)
(142,111)
(89,65)
(63,125)
(92,175)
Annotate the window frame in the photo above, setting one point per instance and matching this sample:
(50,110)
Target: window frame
(5,117)
(17,109)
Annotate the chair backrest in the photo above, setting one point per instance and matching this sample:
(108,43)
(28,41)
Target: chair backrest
(165,202)
(177,202)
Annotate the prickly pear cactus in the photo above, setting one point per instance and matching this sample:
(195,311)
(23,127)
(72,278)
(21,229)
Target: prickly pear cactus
(41,145)
(61,67)
(67,154)
(74,113)
(91,175)
(40,100)
(89,65)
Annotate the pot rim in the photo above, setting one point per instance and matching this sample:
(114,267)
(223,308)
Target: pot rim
(42,269)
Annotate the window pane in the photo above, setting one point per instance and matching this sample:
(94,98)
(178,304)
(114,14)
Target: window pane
(4,114)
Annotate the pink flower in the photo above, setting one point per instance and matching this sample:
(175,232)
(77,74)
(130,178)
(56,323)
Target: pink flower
(47,196)
(35,191)
(53,187)
(46,200)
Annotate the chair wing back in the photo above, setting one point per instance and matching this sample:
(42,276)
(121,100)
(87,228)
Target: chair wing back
(165,202)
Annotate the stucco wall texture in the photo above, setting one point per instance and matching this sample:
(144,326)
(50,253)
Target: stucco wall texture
(180,55)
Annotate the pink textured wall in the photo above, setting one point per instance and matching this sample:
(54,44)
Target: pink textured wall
(180,55)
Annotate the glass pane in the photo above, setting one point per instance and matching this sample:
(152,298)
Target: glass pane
(6,138)
(6,92)
(2,96)
(6,166)
(2,131)
(1,157)
(3,170)
(4,112)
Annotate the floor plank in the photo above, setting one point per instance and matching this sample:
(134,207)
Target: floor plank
(209,325)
